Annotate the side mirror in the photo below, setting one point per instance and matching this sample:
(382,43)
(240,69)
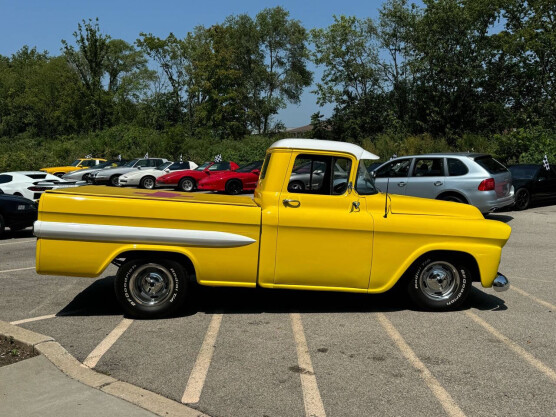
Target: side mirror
(373,174)
(256,171)
(167,170)
(138,167)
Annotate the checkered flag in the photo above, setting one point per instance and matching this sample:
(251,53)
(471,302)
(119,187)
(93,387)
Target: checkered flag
(181,158)
(147,155)
(119,157)
(88,156)
(218,158)
(545,163)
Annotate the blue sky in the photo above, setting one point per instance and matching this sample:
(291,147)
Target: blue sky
(44,23)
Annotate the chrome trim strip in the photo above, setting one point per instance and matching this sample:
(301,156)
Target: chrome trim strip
(130,234)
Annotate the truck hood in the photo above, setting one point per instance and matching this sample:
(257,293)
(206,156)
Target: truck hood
(400,204)
(133,193)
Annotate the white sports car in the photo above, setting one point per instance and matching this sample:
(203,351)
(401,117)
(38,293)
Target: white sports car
(146,178)
(19,182)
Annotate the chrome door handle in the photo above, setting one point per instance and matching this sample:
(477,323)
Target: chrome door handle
(401,184)
(291,203)
(437,183)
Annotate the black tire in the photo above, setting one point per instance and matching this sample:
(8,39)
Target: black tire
(147,182)
(114,181)
(452,197)
(59,174)
(296,186)
(2,225)
(234,187)
(85,177)
(187,184)
(439,283)
(522,199)
(151,288)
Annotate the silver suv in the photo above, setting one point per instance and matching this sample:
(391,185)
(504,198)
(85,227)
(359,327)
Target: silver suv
(472,178)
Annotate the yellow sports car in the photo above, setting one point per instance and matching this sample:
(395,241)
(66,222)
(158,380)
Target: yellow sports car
(332,232)
(74,166)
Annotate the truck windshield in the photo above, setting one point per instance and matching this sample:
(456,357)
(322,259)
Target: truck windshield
(364,183)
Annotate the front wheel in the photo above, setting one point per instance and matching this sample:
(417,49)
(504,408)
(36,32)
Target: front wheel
(234,187)
(150,288)
(115,180)
(186,184)
(522,199)
(147,182)
(439,283)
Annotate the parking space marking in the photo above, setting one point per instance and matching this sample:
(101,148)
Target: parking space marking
(549,372)
(445,399)
(49,316)
(311,394)
(17,269)
(532,297)
(98,352)
(18,242)
(194,387)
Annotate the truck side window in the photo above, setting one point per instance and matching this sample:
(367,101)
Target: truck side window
(318,174)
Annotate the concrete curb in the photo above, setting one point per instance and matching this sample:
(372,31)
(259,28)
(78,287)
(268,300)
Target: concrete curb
(64,361)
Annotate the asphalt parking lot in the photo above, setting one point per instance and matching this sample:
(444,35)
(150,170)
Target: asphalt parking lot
(234,352)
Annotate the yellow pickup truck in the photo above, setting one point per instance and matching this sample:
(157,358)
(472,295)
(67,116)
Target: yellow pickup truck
(316,222)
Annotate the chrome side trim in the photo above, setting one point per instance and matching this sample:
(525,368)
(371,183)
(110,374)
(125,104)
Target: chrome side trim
(130,234)
(500,283)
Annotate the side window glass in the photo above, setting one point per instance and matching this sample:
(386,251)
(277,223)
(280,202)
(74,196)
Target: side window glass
(142,163)
(316,174)
(5,178)
(397,168)
(431,167)
(456,167)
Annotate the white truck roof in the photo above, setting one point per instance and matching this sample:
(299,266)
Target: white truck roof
(324,145)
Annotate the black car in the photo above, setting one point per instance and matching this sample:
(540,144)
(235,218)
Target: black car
(16,212)
(532,183)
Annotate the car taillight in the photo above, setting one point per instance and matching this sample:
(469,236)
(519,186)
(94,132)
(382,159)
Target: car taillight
(487,185)
(38,188)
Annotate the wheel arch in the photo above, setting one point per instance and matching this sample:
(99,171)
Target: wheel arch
(466,258)
(452,193)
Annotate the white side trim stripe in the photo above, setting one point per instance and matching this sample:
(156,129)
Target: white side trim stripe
(130,234)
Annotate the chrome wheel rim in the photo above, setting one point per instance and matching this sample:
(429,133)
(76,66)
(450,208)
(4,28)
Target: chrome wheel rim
(151,284)
(521,199)
(116,181)
(187,185)
(439,280)
(148,183)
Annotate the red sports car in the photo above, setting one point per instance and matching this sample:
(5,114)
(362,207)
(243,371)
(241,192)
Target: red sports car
(188,179)
(233,182)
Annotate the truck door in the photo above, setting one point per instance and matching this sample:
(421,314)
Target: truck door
(325,233)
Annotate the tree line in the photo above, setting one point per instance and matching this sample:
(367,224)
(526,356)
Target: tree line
(446,69)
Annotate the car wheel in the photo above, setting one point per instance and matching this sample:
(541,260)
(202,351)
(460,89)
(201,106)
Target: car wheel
(233,187)
(150,288)
(59,174)
(115,180)
(522,199)
(147,182)
(296,186)
(85,177)
(439,283)
(2,225)
(452,197)
(186,184)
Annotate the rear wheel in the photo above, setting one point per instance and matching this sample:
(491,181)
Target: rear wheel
(234,187)
(2,225)
(186,184)
(59,174)
(452,197)
(522,199)
(147,182)
(439,283)
(150,288)
(115,180)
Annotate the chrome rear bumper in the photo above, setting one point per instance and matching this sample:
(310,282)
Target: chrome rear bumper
(500,283)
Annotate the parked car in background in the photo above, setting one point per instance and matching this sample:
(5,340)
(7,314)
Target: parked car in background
(77,164)
(146,178)
(111,176)
(40,187)
(532,183)
(189,179)
(16,212)
(233,182)
(18,182)
(84,174)
(471,178)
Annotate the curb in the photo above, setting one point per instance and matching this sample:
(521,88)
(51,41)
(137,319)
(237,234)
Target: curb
(65,362)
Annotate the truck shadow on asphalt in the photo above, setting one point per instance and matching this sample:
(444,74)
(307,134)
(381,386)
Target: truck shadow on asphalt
(20,234)
(99,300)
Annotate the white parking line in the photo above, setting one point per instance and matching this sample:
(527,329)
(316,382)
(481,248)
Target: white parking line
(18,242)
(549,372)
(18,269)
(311,395)
(98,352)
(194,387)
(532,297)
(49,316)
(445,399)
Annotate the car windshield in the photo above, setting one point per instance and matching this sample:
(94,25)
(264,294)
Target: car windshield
(203,167)
(250,167)
(163,166)
(523,171)
(364,183)
(75,163)
(131,163)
